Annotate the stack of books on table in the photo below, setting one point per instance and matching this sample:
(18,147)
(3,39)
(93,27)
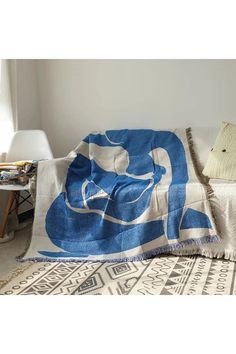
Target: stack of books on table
(17,172)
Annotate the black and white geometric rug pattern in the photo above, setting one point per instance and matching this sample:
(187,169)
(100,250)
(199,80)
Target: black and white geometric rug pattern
(166,275)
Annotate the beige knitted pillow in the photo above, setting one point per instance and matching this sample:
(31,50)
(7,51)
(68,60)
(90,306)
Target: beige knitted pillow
(221,162)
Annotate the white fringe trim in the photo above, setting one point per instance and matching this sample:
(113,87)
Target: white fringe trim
(228,255)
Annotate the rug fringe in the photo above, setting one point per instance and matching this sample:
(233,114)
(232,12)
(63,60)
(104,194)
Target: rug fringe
(14,273)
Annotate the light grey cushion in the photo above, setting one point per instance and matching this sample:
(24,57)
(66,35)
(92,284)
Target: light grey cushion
(203,140)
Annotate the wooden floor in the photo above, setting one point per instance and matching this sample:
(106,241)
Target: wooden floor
(12,249)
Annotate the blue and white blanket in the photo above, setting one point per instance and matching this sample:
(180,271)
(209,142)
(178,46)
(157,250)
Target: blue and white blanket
(121,194)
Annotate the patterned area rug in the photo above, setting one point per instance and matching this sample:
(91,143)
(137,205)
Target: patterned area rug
(167,275)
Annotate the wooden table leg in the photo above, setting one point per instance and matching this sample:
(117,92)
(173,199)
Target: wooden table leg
(6,212)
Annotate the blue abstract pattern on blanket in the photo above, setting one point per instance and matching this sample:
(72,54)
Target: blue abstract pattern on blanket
(112,184)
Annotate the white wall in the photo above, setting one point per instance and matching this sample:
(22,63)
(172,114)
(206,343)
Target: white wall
(27,91)
(78,96)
